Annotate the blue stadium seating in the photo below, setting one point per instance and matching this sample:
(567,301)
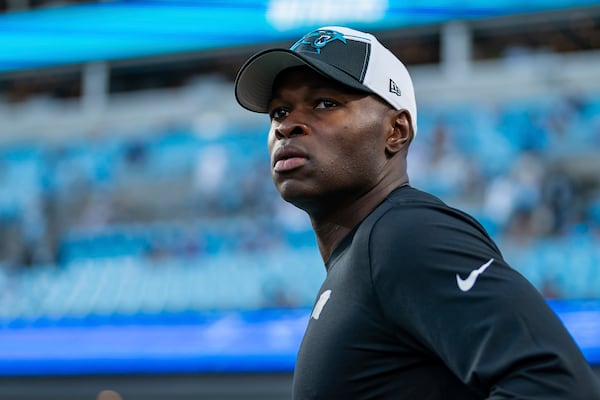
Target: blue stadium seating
(240,252)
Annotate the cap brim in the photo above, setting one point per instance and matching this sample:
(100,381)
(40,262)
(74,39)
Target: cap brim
(254,81)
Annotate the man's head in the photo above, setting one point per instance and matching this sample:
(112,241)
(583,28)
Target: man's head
(336,135)
(353,58)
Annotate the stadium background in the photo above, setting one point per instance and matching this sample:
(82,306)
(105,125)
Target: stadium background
(144,249)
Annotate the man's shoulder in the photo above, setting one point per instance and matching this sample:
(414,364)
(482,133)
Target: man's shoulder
(410,211)
(409,204)
(407,196)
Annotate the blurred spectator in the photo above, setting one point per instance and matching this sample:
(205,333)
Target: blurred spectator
(558,196)
(209,177)
(512,199)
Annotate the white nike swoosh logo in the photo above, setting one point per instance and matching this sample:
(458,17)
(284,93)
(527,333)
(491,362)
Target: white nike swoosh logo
(466,284)
(321,303)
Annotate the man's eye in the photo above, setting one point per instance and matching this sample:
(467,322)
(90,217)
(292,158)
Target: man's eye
(278,113)
(325,103)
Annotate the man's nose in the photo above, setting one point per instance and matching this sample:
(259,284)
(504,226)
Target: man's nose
(290,127)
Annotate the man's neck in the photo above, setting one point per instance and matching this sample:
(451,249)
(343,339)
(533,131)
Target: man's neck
(333,226)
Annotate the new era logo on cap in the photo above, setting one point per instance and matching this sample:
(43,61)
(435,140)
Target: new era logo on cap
(356,59)
(394,88)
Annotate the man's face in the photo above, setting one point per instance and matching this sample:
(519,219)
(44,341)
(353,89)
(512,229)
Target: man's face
(326,141)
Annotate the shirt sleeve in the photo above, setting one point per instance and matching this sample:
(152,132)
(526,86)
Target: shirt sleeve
(441,279)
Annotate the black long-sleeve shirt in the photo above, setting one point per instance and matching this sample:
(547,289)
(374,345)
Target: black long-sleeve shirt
(419,304)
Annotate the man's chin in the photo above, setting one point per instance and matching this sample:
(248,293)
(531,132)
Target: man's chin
(311,204)
(294,196)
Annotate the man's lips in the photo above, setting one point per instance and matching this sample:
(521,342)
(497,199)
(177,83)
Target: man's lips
(288,164)
(287,159)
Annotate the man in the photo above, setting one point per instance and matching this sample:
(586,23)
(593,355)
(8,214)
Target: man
(418,302)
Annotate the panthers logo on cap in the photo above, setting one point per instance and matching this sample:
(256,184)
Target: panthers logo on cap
(316,40)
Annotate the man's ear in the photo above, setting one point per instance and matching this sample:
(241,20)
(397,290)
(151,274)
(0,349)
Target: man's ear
(400,133)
